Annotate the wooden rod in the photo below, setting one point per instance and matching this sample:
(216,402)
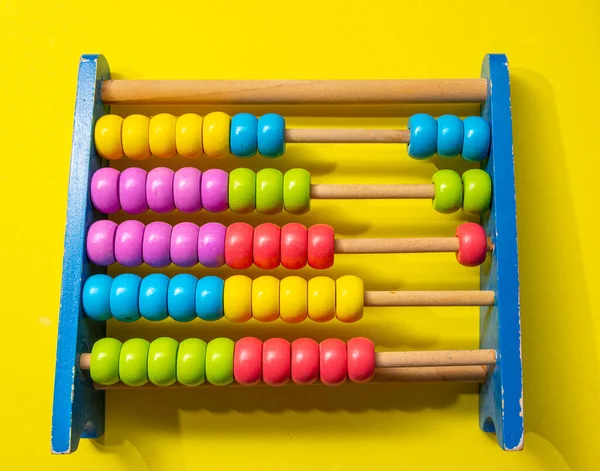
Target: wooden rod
(435,358)
(406,245)
(429,298)
(473,90)
(353,192)
(347,136)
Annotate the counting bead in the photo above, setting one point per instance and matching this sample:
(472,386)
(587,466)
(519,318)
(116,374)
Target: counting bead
(184,244)
(157,242)
(100,243)
(133,362)
(476,141)
(132,190)
(276,364)
(136,137)
(243,139)
(186,190)
(472,244)
(188,135)
(124,297)
(333,365)
(349,298)
(159,190)
(247,361)
(296,191)
(191,357)
(95,297)
(181,300)
(162,361)
(209,298)
(271,135)
(321,241)
(305,361)
(265,298)
(321,299)
(162,135)
(477,186)
(219,361)
(269,191)
(214,190)
(129,239)
(266,246)
(237,298)
(450,132)
(238,245)
(107,136)
(294,246)
(154,291)
(423,136)
(242,191)
(104,190)
(361,359)
(215,135)
(211,245)
(104,361)
(448,191)
(293,299)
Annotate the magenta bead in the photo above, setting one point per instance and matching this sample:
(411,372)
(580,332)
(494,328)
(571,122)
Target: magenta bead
(132,190)
(215,184)
(100,242)
(186,190)
(157,244)
(184,244)
(104,190)
(128,243)
(211,244)
(159,190)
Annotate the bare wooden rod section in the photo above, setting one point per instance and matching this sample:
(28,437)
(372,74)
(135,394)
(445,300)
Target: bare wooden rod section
(429,298)
(406,245)
(349,135)
(373,192)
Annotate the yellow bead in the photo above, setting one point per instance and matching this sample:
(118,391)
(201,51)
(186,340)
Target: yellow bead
(321,298)
(349,298)
(107,135)
(215,134)
(188,135)
(237,298)
(136,144)
(293,299)
(265,298)
(162,135)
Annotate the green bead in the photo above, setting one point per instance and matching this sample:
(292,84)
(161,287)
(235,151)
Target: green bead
(133,362)
(448,191)
(162,361)
(191,357)
(242,190)
(478,191)
(296,191)
(104,363)
(269,191)
(219,361)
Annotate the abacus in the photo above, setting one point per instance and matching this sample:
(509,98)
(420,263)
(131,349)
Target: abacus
(88,362)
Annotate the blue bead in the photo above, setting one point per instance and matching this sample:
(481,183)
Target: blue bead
(271,135)
(476,142)
(124,297)
(96,297)
(243,138)
(209,298)
(450,135)
(182,291)
(153,297)
(423,136)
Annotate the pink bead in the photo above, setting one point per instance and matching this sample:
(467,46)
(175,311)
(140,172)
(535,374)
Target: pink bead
(104,190)
(276,362)
(247,361)
(215,190)
(157,244)
(305,361)
(333,365)
(361,359)
(100,243)
(129,240)
(186,190)
(159,190)
(184,244)
(211,245)
(132,190)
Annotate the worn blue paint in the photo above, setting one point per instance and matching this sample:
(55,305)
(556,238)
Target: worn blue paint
(501,396)
(78,410)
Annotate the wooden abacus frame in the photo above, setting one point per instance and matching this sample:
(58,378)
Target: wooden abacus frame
(78,410)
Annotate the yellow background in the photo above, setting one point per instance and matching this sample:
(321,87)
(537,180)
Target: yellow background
(555,70)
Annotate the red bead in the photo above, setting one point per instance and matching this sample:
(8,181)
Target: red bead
(267,242)
(320,246)
(276,362)
(472,244)
(247,361)
(294,246)
(361,359)
(305,361)
(238,245)
(333,364)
